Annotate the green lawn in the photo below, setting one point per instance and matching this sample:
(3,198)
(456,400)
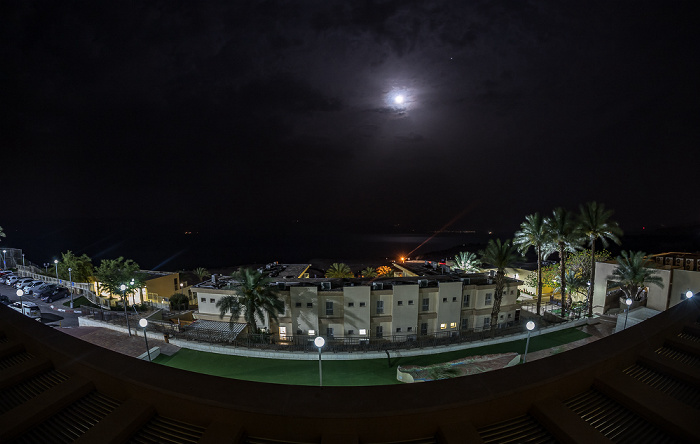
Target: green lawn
(339,373)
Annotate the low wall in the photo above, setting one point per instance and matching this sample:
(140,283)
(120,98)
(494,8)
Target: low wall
(313,355)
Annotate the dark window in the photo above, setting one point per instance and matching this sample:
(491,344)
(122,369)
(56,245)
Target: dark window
(400,302)
(329,332)
(362,304)
(487,299)
(299,332)
(410,329)
(380,307)
(410,302)
(175,284)
(426,304)
(212,300)
(351,332)
(351,304)
(380,331)
(204,299)
(454,299)
(398,329)
(329,308)
(444,299)
(465,324)
(424,328)
(309,305)
(298,304)
(465,301)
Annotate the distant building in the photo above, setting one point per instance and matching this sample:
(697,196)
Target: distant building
(396,308)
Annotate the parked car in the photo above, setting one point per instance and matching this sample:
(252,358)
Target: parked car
(43,289)
(29,288)
(58,293)
(28,308)
(5,300)
(21,282)
(11,280)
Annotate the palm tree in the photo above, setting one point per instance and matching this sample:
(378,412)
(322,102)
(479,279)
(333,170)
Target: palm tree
(385,271)
(339,271)
(533,233)
(565,234)
(2,232)
(368,272)
(467,261)
(202,273)
(255,297)
(633,273)
(595,224)
(501,256)
(179,300)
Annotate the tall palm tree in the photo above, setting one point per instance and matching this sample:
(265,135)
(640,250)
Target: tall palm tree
(564,231)
(339,271)
(501,256)
(368,272)
(533,233)
(467,261)
(633,273)
(255,297)
(595,224)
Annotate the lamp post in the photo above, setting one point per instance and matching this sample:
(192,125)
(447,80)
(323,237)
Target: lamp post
(143,322)
(123,288)
(628,301)
(4,264)
(688,294)
(55,261)
(20,293)
(530,326)
(319,342)
(23,259)
(70,277)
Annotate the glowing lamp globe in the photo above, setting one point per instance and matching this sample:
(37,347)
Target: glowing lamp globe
(530,325)
(319,342)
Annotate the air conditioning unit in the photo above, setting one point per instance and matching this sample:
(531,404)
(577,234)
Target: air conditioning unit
(422,283)
(377,286)
(466,280)
(325,286)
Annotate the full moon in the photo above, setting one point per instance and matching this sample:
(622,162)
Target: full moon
(398,99)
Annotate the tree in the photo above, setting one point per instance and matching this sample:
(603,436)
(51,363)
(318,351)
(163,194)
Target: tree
(468,262)
(2,232)
(633,273)
(368,272)
(179,300)
(81,267)
(201,273)
(337,270)
(501,256)
(595,224)
(254,297)
(533,233)
(113,273)
(565,234)
(385,271)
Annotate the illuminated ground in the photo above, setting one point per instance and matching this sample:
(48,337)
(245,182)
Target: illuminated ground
(339,373)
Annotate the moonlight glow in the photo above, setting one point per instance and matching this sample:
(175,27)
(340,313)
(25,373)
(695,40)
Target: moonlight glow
(398,99)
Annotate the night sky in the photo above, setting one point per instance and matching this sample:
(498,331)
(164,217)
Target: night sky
(229,117)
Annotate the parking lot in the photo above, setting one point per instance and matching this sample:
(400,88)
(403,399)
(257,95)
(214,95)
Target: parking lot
(50,316)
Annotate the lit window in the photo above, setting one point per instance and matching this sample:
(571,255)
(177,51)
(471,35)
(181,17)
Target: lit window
(453,325)
(312,332)
(363,331)
(443,326)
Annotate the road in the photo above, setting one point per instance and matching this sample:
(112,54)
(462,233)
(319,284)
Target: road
(49,316)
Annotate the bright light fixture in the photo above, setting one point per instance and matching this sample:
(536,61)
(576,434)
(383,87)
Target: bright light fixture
(319,341)
(628,302)
(688,294)
(143,322)
(530,325)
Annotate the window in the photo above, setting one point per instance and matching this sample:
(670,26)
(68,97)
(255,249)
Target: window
(212,300)
(300,332)
(465,324)
(409,329)
(351,304)
(312,332)
(424,328)
(488,299)
(309,305)
(465,301)
(426,304)
(509,315)
(175,284)
(363,331)
(380,331)
(400,302)
(443,326)
(410,302)
(329,308)
(454,299)
(398,329)
(204,299)
(487,322)
(298,304)
(351,332)
(362,304)
(380,307)
(453,325)
(329,332)
(444,299)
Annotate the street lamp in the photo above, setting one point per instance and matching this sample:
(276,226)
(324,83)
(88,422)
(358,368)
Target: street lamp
(20,293)
(143,322)
(4,264)
(319,342)
(530,326)
(628,301)
(123,288)
(23,259)
(70,277)
(688,294)
(55,261)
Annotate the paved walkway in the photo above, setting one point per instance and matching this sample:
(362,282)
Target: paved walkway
(604,327)
(119,342)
